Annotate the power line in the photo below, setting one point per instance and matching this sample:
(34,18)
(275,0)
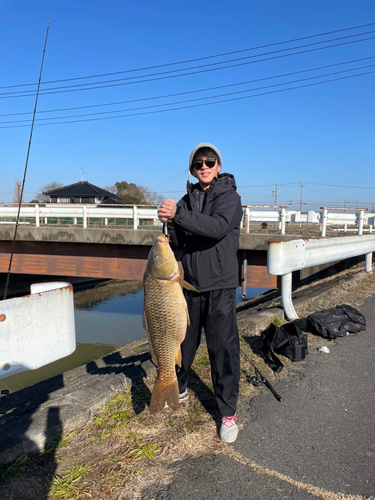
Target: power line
(197,105)
(199,90)
(223,54)
(335,185)
(193,100)
(73,88)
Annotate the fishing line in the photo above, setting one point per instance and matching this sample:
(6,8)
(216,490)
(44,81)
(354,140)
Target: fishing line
(25,170)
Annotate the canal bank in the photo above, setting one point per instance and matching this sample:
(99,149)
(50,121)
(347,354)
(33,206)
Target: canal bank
(30,418)
(108,317)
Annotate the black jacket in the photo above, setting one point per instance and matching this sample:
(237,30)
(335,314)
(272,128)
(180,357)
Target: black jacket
(210,238)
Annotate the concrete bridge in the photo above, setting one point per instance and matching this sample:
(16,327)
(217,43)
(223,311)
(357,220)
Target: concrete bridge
(116,253)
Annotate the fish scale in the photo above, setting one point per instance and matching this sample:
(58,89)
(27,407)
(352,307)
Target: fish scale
(165,308)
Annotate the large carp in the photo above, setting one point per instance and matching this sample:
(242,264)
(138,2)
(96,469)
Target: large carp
(165,319)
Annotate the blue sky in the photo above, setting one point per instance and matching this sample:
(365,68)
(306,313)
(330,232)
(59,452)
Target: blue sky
(321,135)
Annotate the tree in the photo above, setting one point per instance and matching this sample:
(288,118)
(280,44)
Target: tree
(17,192)
(111,189)
(40,197)
(131,193)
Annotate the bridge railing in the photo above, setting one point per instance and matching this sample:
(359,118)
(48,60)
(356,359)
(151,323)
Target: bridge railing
(139,215)
(284,257)
(326,217)
(81,215)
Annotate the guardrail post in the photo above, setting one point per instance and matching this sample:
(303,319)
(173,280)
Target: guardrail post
(135,218)
(360,221)
(37,221)
(286,296)
(84,216)
(244,274)
(324,221)
(247,219)
(282,218)
(368,262)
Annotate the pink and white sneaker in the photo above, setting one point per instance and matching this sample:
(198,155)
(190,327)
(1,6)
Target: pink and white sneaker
(228,429)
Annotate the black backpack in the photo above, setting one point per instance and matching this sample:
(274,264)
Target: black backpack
(336,322)
(287,340)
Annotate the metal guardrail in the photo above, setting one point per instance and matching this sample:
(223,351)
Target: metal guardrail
(284,257)
(138,215)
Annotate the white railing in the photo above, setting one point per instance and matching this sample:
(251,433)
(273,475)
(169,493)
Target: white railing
(81,215)
(326,217)
(135,215)
(284,257)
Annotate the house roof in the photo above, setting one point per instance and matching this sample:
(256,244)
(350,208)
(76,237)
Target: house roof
(81,188)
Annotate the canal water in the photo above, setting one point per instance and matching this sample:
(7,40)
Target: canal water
(107,317)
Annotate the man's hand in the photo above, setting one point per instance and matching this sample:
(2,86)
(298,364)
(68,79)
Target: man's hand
(167,211)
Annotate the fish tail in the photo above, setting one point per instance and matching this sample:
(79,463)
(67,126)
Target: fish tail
(163,394)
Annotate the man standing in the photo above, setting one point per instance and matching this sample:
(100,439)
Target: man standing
(205,223)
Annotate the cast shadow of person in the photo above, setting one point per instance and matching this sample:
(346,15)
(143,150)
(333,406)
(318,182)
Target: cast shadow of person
(29,472)
(205,396)
(131,367)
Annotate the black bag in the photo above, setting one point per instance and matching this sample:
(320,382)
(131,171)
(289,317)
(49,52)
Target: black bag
(287,340)
(336,322)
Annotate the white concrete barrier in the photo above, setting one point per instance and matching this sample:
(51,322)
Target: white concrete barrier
(36,329)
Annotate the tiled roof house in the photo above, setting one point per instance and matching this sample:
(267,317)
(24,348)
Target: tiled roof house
(81,192)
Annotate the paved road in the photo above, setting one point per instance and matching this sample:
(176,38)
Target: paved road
(318,443)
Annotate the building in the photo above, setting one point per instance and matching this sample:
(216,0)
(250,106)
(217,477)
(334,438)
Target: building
(82,192)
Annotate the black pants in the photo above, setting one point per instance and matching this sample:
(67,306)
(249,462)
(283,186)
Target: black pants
(215,311)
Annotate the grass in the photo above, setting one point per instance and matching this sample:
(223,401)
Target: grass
(277,321)
(8,471)
(65,487)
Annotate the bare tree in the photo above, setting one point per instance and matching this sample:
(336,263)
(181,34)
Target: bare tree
(52,185)
(150,197)
(111,189)
(132,193)
(17,192)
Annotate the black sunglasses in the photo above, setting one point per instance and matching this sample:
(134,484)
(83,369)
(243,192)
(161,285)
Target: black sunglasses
(210,162)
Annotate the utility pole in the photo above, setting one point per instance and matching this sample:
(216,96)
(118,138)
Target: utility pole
(300,200)
(345,202)
(274,192)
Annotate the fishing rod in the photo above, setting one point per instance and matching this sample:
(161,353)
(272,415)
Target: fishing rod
(25,170)
(259,379)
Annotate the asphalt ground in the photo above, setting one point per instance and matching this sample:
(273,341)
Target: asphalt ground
(319,442)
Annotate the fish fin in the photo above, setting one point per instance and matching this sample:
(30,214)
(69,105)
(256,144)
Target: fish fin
(187,285)
(145,326)
(144,320)
(178,358)
(163,394)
